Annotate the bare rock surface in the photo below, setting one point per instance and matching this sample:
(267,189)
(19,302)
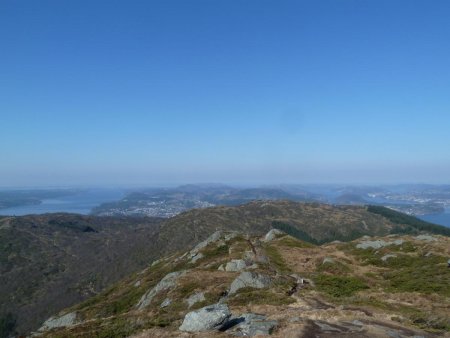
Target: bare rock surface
(250,279)
(166,283)
(195,298)
(272,234)
(67,319)
(235,265)
(207,318)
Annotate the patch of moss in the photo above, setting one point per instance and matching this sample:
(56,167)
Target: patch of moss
(339,286)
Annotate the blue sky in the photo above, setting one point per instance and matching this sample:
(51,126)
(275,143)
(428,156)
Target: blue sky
(250,91)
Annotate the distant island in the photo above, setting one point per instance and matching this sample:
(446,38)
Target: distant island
(17,198)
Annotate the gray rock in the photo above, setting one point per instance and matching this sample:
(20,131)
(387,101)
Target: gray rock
(393,334)
(427,238)
(328,260)
(137,284)
(195,298)
(207,318)
(250,324)
(386,257)
(166,302)
(211,239)
(166,283)
(326,327)
(377,244)
(357,322)
(156,262)
(230,235)
(67,319)
(197,257)
(272,234)
(235,265)
(250,279)
(221,268)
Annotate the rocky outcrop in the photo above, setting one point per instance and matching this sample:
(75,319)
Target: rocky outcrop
(197,257)
(377,244)
(166,283)
(235,265)
(67,319)
(427,238)
(272,234)
(250,279)
(249,325)
(211,239)
(207,318)
(195,298)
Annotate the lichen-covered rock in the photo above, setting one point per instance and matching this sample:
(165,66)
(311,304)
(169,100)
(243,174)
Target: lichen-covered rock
(427,238)
(235,265)
(166,283)
(67,319)
(272,234)
(207,318)
(377,244)
(250,279)
(195,298)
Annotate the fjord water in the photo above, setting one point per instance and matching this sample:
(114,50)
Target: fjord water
(441,219)
(80,203)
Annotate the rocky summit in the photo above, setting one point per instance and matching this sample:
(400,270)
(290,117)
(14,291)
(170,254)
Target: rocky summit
(276,285)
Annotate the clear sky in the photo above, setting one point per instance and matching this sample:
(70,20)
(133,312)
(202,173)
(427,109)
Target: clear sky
(248,91)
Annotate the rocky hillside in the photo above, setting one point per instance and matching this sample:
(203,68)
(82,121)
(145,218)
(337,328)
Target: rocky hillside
(237,285)
(52,261)
(313,222)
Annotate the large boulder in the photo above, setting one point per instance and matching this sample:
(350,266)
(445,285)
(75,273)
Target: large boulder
(250,279)
(168,282)
(210,317)
(67,319)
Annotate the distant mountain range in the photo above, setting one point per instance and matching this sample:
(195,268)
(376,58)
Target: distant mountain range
(414,199)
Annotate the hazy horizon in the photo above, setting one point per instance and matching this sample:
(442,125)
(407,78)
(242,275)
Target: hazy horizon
(255,92)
